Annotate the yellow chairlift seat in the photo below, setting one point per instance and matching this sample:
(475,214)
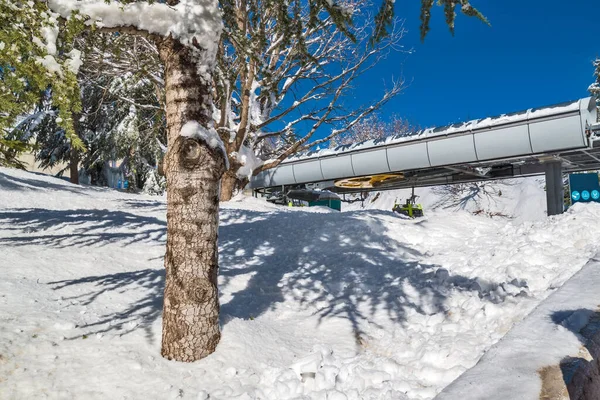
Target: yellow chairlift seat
(368,182)
(411,209)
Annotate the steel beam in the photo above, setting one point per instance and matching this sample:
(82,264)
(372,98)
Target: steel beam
(554,188)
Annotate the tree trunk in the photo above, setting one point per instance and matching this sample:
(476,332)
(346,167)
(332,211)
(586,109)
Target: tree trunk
(74,166)
(230,184)
(193,170)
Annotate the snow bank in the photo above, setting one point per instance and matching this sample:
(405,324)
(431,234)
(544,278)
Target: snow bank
(316,304)
(550,336)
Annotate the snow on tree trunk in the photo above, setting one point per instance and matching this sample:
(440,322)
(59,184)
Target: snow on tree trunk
(186,33)
(242,163)
(193,168)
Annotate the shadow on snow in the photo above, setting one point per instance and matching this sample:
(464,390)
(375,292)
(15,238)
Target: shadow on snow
(137,315)
(331,265)
(12,183)
(83,227)
(585,324)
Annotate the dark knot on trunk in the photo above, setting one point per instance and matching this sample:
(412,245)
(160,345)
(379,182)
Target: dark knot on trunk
(191,151)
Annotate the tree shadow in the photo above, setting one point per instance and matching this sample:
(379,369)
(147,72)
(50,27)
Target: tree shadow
(335,269)
(146,205)
(9,182)
(89,227)
(138,315)
(82,227)
(581,373)
(460,196)
(342,265)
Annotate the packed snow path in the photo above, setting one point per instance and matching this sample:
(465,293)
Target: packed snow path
(316,304)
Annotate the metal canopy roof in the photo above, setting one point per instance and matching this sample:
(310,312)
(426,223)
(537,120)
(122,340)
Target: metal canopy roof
(572,161)
(512,145)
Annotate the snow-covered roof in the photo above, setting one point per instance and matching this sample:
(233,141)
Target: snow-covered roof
(536,131)
(457,128)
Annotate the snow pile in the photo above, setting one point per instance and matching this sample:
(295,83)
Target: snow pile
(548,337)
(74,62)
(49,32)
(316,304)
(50,63)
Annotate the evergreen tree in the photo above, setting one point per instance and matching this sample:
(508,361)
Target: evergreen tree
(120,118)
(36,53)
(123,114)
(42,127)
(386,14)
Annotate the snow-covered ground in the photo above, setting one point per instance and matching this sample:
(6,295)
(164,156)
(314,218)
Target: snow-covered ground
(522,199)
(316,304)
(557,341)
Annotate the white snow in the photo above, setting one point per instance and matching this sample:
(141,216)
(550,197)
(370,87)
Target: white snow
(522,199)
(50,63)
(249,161)
(316,304)
(38,42)
(196,23)
(256,114)
(50,34)
(549,335)
(74,62)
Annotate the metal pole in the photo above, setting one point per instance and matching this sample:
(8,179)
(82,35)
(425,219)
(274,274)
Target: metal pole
(554,188)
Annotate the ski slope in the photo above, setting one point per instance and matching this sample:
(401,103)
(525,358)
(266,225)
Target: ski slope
(316,304)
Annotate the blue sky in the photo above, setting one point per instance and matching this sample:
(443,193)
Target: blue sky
(535,53)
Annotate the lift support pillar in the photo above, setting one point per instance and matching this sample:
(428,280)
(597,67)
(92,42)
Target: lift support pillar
(554,188)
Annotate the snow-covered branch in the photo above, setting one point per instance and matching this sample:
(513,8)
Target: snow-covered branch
(194,23)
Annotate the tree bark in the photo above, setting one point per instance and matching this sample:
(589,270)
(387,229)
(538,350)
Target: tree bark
(231,183)
(74,166)
(193,170)
(228,186)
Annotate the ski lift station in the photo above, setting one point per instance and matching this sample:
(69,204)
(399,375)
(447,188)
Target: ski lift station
(551,140)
